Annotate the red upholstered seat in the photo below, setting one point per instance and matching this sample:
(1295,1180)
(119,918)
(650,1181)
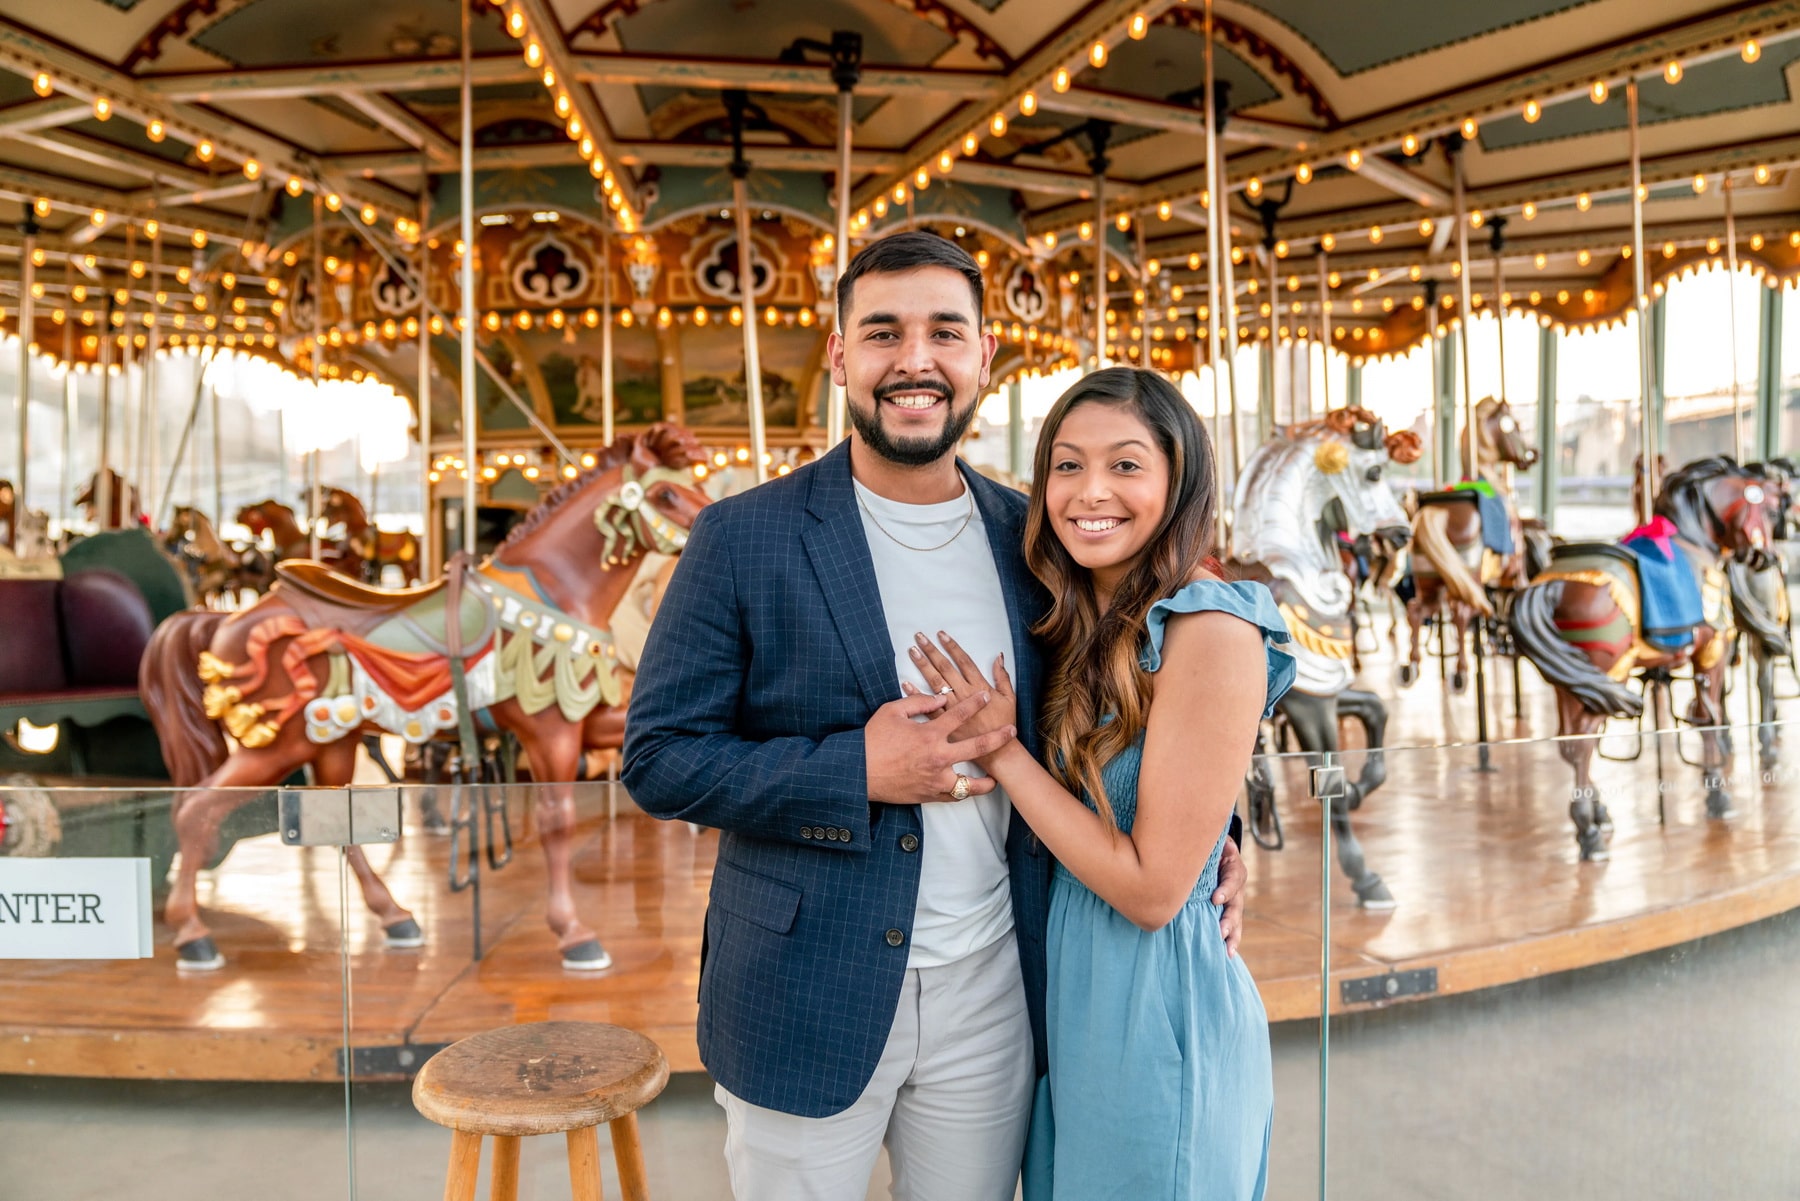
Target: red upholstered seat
(31,657)
(106,624)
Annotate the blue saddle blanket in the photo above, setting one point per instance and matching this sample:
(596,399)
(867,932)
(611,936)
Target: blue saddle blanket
(1496,522)
(1667,590)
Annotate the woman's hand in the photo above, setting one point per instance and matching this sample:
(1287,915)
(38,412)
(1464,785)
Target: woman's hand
(950,667)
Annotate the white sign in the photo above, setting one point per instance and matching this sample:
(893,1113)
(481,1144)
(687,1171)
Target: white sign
(75,909)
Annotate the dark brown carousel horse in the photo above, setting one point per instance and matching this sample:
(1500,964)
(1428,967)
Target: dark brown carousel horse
(1580,623)
(126,508)
(1452,569)
(375,547)
(290,539)
(1760,606)
(321,659)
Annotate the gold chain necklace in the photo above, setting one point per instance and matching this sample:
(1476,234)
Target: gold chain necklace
(967,518)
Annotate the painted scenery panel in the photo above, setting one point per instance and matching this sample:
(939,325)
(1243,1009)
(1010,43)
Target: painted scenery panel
(569,364)
(712,383)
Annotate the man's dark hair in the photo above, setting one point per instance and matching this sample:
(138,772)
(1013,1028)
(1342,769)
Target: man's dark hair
(907,251)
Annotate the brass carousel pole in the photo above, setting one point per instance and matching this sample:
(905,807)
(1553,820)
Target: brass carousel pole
(70,402)
(428,541)
(1144,309)
(845,72)
(735,103)
(1324,333)
(606,331)
(102,491)
(1497,240)
(466,304)
(1217,216)
(1731,260)
(27,318)
(1224,303)
(314,488)
(1640,305)
(152,426)
(1275,348)
(1100,288)
(1465,310)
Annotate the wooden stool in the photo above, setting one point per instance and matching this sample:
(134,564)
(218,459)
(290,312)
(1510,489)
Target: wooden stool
(543,1078)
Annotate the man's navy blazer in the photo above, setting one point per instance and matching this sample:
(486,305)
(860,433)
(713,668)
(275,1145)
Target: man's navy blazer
(769,654)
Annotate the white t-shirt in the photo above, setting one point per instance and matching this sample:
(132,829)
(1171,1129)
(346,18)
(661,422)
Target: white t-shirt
(965,903)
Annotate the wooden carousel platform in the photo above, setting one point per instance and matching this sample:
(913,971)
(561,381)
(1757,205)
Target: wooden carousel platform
(1483,865)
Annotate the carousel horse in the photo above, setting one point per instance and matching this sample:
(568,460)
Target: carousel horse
(1468,540)
(1280,536)
(1760,607)
(373,546)
(126,507)
(216,568)
(24,533)
(1372,562)
(290,539)
(522,641)
(1660,601)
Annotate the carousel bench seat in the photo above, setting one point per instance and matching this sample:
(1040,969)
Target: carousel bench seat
(71,649)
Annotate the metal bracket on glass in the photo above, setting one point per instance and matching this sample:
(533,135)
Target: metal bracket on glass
(1329,783)
(391,1062)
(1393,986)
(339,817)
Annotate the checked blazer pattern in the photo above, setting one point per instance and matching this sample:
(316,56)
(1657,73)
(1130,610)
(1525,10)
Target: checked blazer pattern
(769,654)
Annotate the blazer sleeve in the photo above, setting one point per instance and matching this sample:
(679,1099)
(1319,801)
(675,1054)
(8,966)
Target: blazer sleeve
(683,755)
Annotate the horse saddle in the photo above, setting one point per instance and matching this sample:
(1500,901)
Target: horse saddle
(409,620)
(1661,587)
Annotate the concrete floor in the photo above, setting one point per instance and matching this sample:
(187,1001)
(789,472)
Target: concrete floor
(1670,1076)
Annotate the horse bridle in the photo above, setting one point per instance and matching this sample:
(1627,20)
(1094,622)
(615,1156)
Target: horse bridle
(630,525)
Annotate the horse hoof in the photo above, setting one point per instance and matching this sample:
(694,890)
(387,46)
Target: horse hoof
(1593,844)
(1372,894)
(1408,674)
(1459,682)
(436,825)
(1718,805)
(404,933)
(201,955)
(587,956)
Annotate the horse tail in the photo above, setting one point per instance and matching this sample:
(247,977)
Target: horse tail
(1533,621)
(169,683)
(1431,538)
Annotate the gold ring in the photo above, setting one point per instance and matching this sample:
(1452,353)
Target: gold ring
(960,790)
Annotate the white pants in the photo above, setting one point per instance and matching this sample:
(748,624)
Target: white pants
(951,1098)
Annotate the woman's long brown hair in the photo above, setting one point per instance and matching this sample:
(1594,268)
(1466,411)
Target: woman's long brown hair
(1095,669)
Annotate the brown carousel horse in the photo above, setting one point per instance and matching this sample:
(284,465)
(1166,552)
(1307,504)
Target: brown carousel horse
(322,658)
(1580,622)
(126,508)
(1451,565)
(217,569)
(290,539)
(375,547)
(1761,608)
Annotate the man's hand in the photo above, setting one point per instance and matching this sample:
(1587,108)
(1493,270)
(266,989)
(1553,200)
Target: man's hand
(913,763)
(1230,895)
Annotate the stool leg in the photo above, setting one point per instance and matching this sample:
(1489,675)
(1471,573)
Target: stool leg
(465,1166)
(505,1186)
(628,1153)
(584,1166)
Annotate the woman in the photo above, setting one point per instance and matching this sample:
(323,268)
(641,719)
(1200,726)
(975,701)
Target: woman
(1159,1046)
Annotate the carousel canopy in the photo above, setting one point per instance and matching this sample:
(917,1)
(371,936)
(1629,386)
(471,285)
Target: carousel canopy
(278,174)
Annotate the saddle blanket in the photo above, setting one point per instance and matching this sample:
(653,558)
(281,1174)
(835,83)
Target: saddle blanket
(1496,522)
(1667,590)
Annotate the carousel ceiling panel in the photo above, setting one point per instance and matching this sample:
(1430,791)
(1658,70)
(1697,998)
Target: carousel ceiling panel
(267,33)
(1359,36)
(15,89)
(764,28)
(1169,60)
(1723,85)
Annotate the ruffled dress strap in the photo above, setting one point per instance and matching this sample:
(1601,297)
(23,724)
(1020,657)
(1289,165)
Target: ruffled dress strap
(1244,599)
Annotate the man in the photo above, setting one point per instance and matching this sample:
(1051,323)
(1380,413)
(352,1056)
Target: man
(873,966)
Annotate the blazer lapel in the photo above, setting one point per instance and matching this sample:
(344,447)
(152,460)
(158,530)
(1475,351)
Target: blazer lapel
(1006,539)
(839,552)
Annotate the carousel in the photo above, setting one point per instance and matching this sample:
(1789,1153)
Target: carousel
(573,267)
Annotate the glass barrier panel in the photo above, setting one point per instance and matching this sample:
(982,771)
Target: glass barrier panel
(1578,990)
(124,1073)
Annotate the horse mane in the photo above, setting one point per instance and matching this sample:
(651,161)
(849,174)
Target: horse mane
(1699,472)
(673,446)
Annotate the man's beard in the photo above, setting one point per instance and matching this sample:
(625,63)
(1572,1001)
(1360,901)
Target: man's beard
(911,452)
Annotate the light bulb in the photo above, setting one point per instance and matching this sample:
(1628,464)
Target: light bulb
(1028,104)
(1468,129)
(1303,173)
(1140,26)
(998,125)
(1353,160)
(1409,145)
(1752,50)
(102,108)
(1672,72)
(1598,92)
(1060,81)
(42,84)
(1533,110)
(1097,54)
(252,169)
(203,150)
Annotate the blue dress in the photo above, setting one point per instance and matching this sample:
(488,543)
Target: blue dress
(1159,1046)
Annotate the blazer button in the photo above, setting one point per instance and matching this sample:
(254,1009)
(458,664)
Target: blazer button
(806,831)
(909,843)
(895,938)
(818,831)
